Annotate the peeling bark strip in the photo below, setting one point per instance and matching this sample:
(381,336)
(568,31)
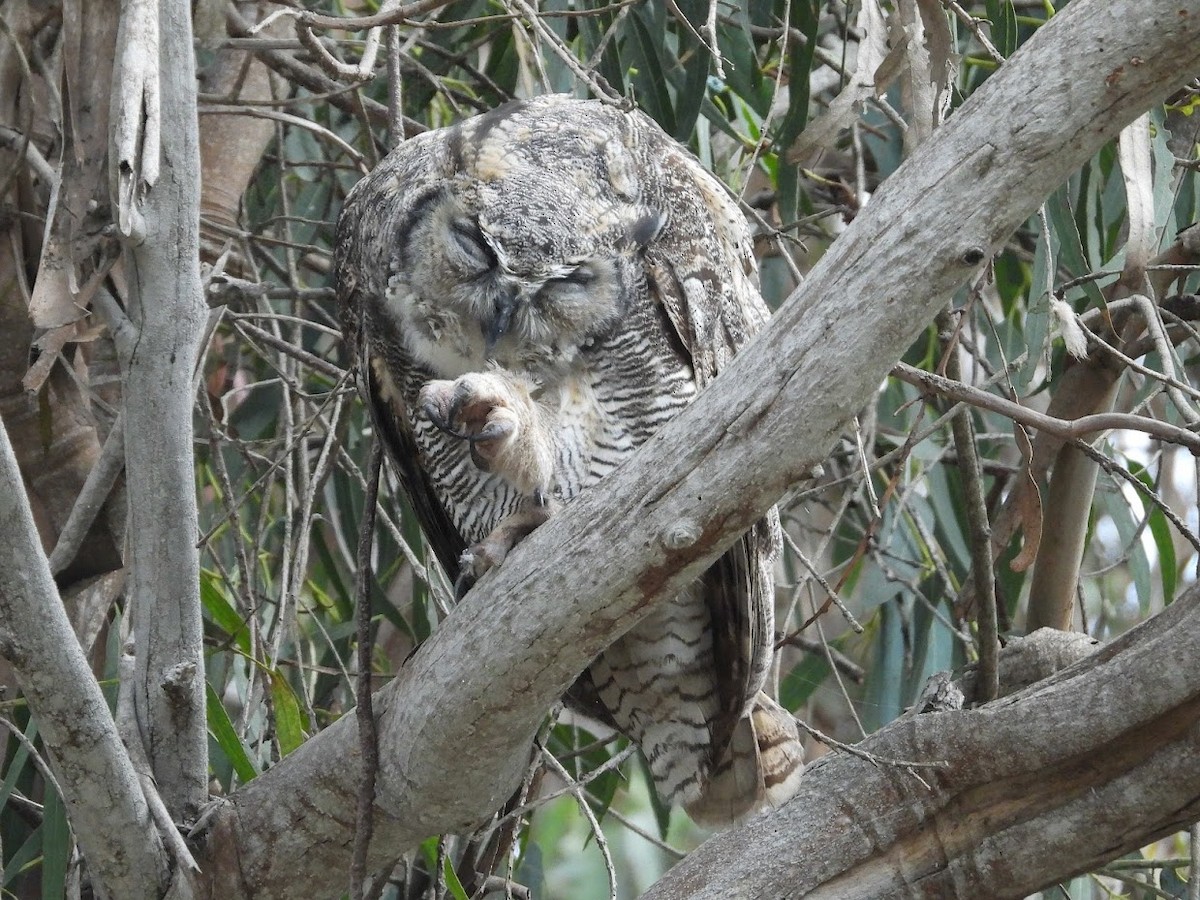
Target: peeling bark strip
(462,711)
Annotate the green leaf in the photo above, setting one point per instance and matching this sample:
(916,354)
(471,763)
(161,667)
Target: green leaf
(691,96)
(1088,202)
(1070,245)
(805,15)
(25,857)
(452,883)
(1113,503)
(288,726)
(662,811)
(806,18)
(502,66)
(56,846)
(1004,25)
(223,732)
(933,644)
(1170,882)
(1164,185)
(743,74)
(1037,317)
(429,849)
(1168,566)
(1112,208)
(885,680)
(17,765)
(948,516)
(799,684)
(222,612)
(1160,532)
(651,80)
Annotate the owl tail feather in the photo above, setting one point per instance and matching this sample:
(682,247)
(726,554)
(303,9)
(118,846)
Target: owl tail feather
(760,767)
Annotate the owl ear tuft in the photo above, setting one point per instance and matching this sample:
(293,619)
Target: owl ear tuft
(647,227)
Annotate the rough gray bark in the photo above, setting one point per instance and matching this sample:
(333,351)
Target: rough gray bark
(107,809)
(159,350)
(463,709)
(1035,788)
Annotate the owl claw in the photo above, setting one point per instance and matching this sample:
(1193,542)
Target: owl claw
(465,581)
(434,413)
(492,431)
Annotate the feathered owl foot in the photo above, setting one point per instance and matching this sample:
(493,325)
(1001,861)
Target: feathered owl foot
(489,553)
(508,433)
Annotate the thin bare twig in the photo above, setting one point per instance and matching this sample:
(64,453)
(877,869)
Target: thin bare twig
(92,495)
(390,13)
(16,140)
(1194,863)
(973,25)
(1061,428)
(874,760)
(829,589)
(367,739)
(289,119)
(395,88)
(598,86)
(839,661)
(584,807)
(1150,494)
(980,538)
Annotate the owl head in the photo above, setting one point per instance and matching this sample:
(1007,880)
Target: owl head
(523,238)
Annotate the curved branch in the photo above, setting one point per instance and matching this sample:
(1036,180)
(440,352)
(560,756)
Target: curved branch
(391,13)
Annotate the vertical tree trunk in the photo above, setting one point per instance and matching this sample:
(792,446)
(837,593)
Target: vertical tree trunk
(168,312)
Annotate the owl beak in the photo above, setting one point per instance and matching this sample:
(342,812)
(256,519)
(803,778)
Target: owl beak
(497,325)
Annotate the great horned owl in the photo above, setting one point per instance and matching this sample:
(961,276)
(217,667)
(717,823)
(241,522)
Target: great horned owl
(531,294)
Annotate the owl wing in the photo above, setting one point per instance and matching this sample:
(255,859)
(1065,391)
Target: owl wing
(390,415)
(376,347)
(701,271)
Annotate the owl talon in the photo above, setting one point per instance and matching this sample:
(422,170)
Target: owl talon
(465,581)
(434,413)
(477,407)
(492,432)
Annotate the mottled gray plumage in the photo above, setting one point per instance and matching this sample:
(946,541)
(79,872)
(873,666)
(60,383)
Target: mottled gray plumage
(531,294)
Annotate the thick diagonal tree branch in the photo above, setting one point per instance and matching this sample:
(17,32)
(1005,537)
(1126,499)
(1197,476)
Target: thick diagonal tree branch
(455,723)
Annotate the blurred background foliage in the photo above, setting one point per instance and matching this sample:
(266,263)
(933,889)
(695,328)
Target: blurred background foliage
(874,593)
